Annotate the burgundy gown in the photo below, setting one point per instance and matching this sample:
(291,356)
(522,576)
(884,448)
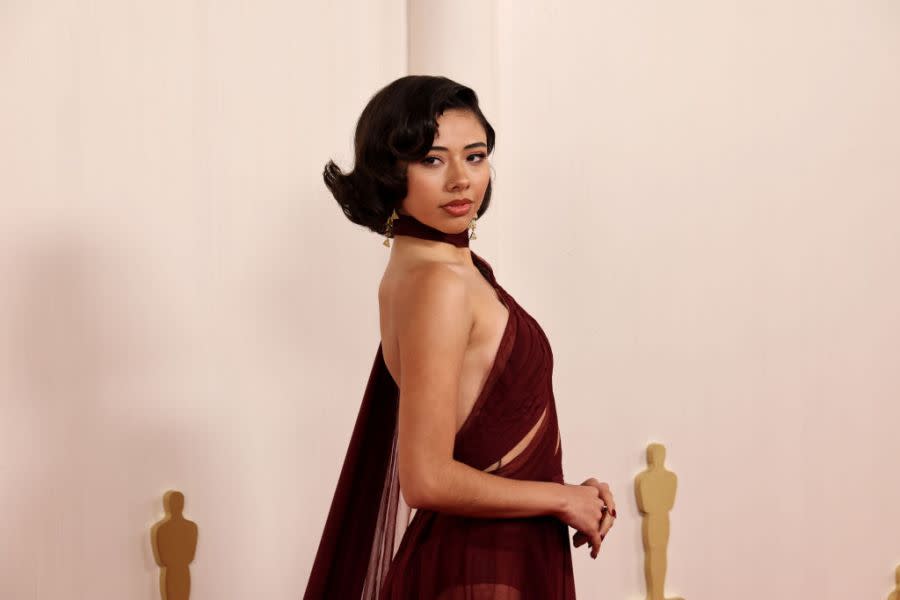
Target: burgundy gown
(370,550)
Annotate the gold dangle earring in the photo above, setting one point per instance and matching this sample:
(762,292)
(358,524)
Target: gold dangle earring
(389,228)
(472,228)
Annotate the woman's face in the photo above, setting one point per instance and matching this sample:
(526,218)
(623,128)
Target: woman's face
(456,167)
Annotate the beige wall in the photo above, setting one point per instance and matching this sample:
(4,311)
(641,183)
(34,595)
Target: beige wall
(698,201)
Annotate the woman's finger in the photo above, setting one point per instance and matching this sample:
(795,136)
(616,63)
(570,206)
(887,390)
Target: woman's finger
(595,545)
(608,500)
(580,538)
(603,492)
(606,524)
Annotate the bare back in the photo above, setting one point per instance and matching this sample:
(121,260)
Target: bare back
(490,321)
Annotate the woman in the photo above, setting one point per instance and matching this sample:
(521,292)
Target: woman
(458,420)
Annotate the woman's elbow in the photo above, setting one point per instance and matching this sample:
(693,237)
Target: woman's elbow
(418,489)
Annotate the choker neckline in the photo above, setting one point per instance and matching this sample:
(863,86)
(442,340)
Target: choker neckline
(411,226)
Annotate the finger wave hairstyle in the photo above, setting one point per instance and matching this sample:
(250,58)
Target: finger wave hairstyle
(397,126)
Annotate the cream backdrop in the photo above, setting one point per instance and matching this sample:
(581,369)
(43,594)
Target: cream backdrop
(697,200)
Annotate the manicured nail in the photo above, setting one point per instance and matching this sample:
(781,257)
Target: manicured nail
(613,512)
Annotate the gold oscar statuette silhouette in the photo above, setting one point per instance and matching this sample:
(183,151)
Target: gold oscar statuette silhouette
(655,492)
(174,540)
(895,595)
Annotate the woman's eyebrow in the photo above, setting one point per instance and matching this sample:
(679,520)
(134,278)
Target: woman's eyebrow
(475,145)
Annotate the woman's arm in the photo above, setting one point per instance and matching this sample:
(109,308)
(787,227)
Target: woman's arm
(460,489)
(434,316)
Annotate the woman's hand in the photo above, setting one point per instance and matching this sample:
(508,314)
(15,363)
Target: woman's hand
(591,510)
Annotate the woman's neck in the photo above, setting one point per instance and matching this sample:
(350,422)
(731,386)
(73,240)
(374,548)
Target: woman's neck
(416,239)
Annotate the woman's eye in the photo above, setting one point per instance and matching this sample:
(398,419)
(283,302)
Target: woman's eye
(481,157)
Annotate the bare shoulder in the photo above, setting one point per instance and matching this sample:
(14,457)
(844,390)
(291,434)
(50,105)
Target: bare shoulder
(432,299)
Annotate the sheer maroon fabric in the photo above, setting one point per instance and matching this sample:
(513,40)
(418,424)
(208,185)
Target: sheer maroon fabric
(371,550)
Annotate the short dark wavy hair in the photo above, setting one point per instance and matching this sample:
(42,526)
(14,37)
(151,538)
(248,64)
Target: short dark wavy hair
(397,126)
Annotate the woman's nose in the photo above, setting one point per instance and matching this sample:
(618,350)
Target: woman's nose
(456,175)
